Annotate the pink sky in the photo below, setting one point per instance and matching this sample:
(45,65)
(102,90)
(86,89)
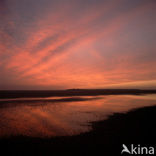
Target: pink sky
(60,44)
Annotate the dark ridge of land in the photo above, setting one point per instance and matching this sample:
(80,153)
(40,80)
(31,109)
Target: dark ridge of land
(15,102)
(71,92)
(136,127)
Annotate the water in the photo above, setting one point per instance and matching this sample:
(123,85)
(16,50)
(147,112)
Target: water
(60,116)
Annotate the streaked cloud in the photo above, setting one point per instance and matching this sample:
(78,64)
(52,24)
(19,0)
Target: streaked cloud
(48,44)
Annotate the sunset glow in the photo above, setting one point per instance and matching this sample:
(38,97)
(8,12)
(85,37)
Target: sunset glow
(60,44)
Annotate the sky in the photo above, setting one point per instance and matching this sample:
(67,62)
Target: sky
(62,44)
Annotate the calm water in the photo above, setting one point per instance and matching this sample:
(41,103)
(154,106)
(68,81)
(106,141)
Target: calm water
(47,117)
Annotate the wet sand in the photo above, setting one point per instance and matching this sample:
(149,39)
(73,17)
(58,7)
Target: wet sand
(106,137)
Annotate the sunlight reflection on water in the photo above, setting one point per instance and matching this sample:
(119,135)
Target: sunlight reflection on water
(57,118)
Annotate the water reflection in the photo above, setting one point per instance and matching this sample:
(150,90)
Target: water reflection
(46,117)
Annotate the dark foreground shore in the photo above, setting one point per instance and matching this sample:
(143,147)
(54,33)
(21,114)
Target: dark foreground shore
(106,138)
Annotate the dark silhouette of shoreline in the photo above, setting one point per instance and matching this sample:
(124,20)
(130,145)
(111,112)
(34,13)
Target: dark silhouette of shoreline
(71,92)
(106,137)
(15,102)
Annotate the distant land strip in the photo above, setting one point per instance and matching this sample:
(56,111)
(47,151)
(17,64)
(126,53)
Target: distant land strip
(70,92)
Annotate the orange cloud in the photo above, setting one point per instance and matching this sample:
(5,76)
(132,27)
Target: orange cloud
(88,51)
